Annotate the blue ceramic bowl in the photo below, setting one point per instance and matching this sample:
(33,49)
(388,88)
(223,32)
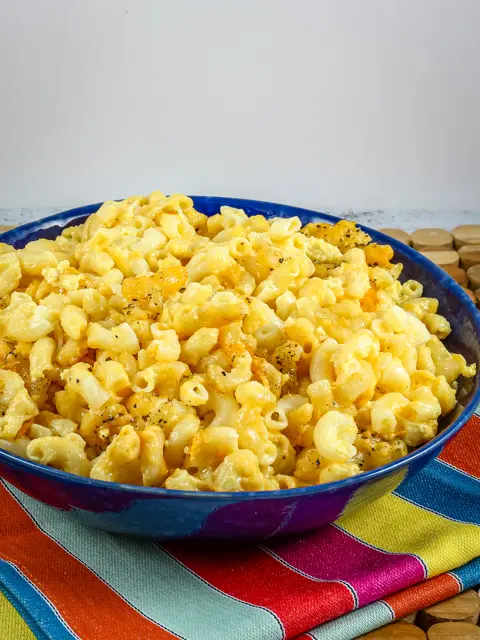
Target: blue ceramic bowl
(163,514)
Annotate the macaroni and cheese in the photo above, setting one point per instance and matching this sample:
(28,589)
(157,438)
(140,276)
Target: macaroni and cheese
(156,346)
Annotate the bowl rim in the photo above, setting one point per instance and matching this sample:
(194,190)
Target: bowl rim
(69,215)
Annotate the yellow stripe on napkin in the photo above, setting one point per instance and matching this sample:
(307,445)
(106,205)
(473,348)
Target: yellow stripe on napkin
(12,624)
(395,525)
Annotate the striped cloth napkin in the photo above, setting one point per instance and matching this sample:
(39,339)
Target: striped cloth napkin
(61,580)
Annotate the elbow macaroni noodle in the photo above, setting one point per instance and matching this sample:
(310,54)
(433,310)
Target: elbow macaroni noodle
(155,346)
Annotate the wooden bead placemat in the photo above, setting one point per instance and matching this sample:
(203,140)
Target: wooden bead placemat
(462,263)
(463,608)
(466,234)
(448,258)
(459,275)
(398,234)
(473,275)
(469,255)
(454,619)
(398,630)
(432,240)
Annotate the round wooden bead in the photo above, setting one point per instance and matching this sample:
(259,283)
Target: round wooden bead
(454,631)
(474,276)
(458,274)
(471,295)
(432,239)
(398,234)
(462,608)
(396,631)
(469,255)
(442,258)
(466,234)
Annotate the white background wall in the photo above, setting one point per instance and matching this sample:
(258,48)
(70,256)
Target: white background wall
(324,103)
